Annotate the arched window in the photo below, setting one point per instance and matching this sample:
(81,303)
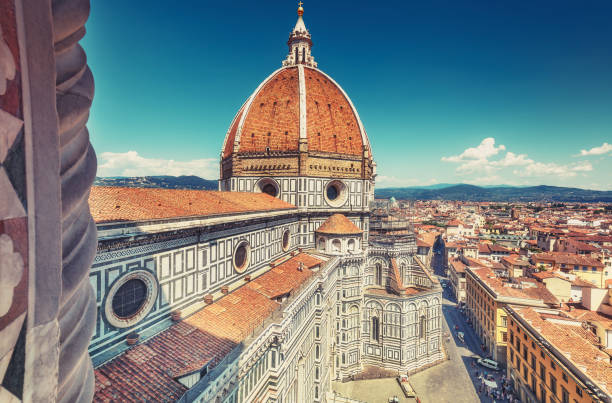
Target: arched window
(303,55)
(296,55)
(336,245)
(378,274)
(351,245)
(375,328)
(422,326)
(322,244)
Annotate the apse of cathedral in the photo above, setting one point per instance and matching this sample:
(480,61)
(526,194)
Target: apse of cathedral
(273,287)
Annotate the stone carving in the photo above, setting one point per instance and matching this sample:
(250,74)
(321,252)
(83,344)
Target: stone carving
(7,64)
(75,89)
(11,269)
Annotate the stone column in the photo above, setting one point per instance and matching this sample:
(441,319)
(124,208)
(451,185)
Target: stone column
(47,237)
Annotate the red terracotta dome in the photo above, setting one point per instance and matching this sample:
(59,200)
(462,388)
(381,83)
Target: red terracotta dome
(297,101)
(298,122)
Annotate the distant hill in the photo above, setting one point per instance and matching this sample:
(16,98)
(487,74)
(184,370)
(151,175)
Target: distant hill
(499,193)
(167,182)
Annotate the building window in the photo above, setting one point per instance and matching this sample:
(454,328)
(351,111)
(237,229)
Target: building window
(375,328)
(564,395)
(378,274)
(286,238)
(553,384)
(543,372)
(130,298)
(423,326)
(336,193)
(578,391)
(322,244)
(241,256)
(542,393)
(336,245)
(269,188)
(564,376)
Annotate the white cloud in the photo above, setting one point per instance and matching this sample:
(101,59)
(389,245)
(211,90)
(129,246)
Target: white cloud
(602,149)
(479,161)
(132,164)
(483,151)
(548,169)
(511,159)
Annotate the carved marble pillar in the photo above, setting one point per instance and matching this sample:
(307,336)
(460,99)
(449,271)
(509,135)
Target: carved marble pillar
(47,236)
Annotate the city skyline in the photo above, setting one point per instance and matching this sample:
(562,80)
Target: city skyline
(471,93)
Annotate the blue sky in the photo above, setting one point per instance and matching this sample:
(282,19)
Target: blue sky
(483,92)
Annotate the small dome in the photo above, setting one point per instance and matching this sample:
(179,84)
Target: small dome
(338,224)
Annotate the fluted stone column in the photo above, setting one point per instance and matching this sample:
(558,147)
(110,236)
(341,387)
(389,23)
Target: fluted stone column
(47,236)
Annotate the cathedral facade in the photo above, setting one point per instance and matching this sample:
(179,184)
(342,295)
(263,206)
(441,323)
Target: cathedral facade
(273,287)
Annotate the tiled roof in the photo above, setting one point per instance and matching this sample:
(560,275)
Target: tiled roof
(580,313)
(285,277)
(578,282)
(109,204)
(572,344)
(426,239)
(536,291)
(566,258)
(148,371)
(338,224)
(457,265)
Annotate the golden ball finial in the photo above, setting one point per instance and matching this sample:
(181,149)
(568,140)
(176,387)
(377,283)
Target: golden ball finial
(300,9)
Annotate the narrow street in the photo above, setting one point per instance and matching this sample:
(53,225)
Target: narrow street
(454,380)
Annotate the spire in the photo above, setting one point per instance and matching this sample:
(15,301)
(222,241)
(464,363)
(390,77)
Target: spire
(299,43)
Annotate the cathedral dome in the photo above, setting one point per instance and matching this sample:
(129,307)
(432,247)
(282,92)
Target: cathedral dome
(297,110)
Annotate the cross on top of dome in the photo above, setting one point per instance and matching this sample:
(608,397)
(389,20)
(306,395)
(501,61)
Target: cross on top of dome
(300,43)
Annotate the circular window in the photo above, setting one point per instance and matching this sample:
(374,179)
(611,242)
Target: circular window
(332,192)
(241,256)
(336,193)
(286,240)
(130,298)
(268,186)
(269,189)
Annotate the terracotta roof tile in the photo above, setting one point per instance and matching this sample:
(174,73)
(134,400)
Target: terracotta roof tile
(285,277)
(338,224)
(109,204)
(148,371)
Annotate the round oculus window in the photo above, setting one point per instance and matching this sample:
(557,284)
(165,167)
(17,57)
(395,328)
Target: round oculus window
(285,240)
(130,298)
(336,193)
(241,256)
(332,192)
(269,189)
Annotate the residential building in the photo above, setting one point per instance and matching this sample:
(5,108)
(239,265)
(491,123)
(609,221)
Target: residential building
(486,297)
(553,358)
